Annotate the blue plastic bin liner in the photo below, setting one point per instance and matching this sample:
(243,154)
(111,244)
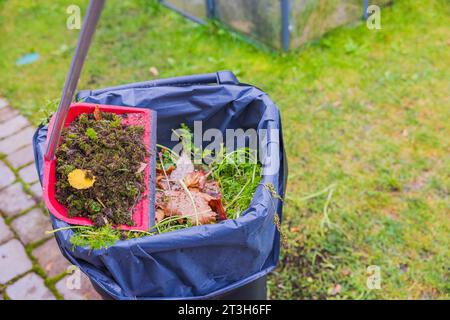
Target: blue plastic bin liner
(200,262)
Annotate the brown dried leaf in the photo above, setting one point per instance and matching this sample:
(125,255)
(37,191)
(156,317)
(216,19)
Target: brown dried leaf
(159,215)
(97,113)
(159,199)
(168,170)
(162,183)
(179,204)
(217,206)
(195,179)
(212,188)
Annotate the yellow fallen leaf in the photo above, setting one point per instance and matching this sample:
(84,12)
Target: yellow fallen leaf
(79,180)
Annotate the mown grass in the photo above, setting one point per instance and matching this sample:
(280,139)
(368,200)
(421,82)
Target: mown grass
(366,123)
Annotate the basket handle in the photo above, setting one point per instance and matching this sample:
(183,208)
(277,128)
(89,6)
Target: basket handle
(84,41)
(220,77)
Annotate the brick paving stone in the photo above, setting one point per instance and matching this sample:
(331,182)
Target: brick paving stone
(13,260)
(13,125)
(3,103)
(85,291)
(30,287)
(29,173)
(36,189)
(5,232)
(21,157)
(6,175)
(50,258)
(31,227)
(7,113)
(13,200)
(17,141)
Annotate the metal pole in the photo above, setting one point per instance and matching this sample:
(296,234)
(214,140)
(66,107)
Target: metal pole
(211,9)
(365,6)
(84,41)
(285,32)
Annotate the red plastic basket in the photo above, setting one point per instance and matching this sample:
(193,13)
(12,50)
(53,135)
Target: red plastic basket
(136,116)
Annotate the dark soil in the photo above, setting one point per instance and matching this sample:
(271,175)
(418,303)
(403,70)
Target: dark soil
(112,152)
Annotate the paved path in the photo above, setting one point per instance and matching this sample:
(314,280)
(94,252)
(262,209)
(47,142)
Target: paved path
(31,265)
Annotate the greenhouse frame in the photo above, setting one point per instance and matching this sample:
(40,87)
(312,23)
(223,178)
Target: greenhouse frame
(280,24)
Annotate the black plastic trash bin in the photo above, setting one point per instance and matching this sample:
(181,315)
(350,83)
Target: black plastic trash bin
(229,259)
(256,290)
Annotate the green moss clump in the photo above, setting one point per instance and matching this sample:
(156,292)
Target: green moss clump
(91,134)
(112,152)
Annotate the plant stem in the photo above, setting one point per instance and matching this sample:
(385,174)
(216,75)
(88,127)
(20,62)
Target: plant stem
(66,228)
(192,200)
(237,196)
(100,201)
(164,170)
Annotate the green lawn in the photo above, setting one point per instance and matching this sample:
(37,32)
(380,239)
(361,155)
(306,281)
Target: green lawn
(366,120)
